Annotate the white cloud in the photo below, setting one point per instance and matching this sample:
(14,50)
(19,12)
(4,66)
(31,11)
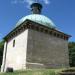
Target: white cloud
(29,2)
(46,1)
(22,1)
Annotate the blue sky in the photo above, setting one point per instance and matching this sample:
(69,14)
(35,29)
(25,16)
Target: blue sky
(61,12)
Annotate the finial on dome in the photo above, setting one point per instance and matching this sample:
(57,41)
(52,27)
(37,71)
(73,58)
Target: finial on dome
(36,8)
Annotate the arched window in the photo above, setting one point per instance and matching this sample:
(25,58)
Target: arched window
(13,43)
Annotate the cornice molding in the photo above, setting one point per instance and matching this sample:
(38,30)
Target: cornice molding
(28,24)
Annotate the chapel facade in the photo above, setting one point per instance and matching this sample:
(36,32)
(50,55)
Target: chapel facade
(35,43)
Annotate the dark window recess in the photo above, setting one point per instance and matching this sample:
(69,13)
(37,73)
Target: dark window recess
(55,34)
(28,26)
(50,32)
(13,43)
(37,28)
(58,35)
(41,29)
(46,31)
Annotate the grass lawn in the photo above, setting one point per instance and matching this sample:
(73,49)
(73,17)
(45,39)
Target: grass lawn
(34,72)
(38,72)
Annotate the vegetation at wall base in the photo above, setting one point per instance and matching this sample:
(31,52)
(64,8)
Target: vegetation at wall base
(72,53)
(63,71)
(33,72)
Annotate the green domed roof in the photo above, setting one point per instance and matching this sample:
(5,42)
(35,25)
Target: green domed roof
(41,19)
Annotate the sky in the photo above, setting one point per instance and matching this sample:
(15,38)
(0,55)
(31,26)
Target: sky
(61,12)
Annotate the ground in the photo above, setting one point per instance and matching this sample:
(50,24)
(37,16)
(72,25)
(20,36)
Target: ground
(35,72)
(42,72)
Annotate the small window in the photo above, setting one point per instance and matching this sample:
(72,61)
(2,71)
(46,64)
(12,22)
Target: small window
(13,43)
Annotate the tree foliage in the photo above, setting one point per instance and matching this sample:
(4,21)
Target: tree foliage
(72,53)
(1,51)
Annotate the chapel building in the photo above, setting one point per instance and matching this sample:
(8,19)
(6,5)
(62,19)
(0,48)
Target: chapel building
(35,43)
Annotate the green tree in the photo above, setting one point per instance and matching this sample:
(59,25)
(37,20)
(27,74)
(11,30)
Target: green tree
(72,53)
(1,51)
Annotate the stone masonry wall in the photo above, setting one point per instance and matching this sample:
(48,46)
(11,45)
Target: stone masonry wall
(46,51)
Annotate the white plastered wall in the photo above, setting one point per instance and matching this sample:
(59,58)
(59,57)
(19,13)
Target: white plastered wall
(16,56)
